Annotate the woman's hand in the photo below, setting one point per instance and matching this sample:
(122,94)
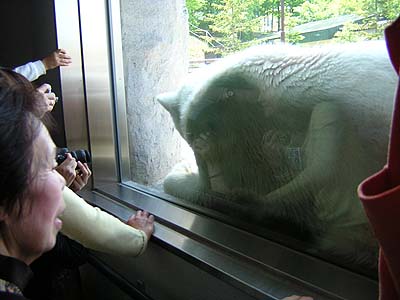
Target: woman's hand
(142,220)
(56,59)
(83,174)
(67,169)
(47,99)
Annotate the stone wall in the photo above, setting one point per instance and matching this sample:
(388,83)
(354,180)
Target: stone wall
(154,41)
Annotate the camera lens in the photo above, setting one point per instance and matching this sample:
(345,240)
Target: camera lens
(80,155)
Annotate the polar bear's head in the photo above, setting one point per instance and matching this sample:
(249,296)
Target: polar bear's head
(198,106)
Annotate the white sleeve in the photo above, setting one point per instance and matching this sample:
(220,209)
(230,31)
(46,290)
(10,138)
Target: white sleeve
(98,230)
(32,70)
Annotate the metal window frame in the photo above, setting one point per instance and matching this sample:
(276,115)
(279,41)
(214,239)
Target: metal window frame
(95,118)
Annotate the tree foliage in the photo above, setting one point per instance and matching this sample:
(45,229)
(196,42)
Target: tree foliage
(195,10)
(236,24)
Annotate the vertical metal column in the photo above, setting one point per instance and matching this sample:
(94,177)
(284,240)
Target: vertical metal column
(87,86)
(72,82)
(99,89)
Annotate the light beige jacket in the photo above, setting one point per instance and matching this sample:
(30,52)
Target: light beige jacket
(98,230)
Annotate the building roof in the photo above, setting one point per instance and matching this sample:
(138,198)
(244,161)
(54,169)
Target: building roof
(325,24)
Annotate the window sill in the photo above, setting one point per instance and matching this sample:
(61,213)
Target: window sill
(258,267)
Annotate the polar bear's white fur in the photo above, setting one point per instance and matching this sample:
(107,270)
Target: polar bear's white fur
(284,134)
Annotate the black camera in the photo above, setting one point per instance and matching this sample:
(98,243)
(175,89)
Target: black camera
(80,155)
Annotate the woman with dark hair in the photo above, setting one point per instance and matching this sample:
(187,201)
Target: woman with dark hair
(33,193)
(90,226)
(31,200)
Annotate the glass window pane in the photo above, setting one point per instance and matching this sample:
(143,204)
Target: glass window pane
(276,136)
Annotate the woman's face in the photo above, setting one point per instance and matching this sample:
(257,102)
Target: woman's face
(34,232)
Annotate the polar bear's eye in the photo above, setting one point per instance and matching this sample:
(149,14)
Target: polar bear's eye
(230,93)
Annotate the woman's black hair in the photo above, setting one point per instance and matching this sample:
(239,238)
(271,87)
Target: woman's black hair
(19,127)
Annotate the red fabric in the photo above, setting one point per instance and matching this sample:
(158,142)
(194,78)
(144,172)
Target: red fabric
(382,206)
(387,289)
(380,193)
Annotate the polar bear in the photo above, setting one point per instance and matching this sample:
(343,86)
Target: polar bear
(284,134)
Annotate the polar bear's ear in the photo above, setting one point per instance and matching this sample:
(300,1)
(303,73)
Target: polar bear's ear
(170,101)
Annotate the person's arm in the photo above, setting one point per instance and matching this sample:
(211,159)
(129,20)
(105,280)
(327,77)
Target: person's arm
(98,230)
(32,70)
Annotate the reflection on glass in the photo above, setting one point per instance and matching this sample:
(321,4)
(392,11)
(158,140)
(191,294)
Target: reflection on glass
(282,136)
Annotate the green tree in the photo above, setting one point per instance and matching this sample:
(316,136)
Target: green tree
(350,33)
(234,24)
(195,11)
(201,13)
(378,14)
(239,23)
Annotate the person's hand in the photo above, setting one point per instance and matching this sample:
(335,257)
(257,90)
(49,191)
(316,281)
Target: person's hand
(142,221)
(57,58)
(67,169)
(47,99)
(82,176)
(295,297)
